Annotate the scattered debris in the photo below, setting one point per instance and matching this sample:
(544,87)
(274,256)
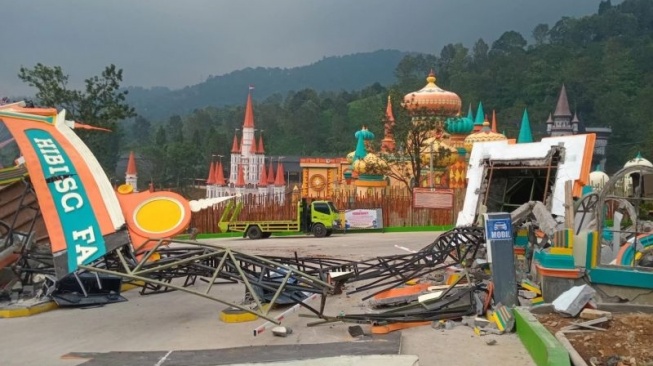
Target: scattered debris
(572,301)
(356,331)
(591,314)
(281,331)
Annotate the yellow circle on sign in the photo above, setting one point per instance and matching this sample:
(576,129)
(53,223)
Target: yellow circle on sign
(159,215)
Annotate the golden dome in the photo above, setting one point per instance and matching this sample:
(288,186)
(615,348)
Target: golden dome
(484,135)
(431,99)
(370,164)
(444,154)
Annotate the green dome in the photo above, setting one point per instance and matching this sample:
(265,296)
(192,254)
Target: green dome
(459,125)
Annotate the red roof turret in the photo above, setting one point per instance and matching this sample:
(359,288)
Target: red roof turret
(211,178)
(234,147)
(261,150)
(271,174)
(131,164)
(219,175)
(249,111)
(281,179)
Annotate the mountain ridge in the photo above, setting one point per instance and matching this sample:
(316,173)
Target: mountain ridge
(333,73)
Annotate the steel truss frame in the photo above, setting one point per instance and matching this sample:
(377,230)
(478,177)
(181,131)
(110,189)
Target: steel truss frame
(186,260)
(457,246)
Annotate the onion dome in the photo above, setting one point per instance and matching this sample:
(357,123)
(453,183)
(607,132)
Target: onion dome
(459,125)
(370,165)
(444,155)
(431,99)
(484,135)
(638,160)
(598,179)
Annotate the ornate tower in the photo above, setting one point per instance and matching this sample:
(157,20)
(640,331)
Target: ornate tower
(562,124)
(388,142)
(131,176)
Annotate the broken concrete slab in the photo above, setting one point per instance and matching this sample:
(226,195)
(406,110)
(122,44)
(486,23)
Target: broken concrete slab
(591,314)
(281,331)
(572,301)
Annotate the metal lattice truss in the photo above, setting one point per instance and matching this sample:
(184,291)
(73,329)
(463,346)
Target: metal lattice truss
(178,265)
(457,246)
(265,280)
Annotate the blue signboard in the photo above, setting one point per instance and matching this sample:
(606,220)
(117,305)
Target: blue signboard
(498,228)
(500,254)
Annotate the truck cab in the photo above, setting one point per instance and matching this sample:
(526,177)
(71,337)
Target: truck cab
(319,218)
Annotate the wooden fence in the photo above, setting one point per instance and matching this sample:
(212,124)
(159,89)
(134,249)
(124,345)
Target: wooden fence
(396,205)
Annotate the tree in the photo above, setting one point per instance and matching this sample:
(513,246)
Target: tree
(141,130)
(407,162)
(101,104)
(509,43)
(541,34)
(175,129)
(479,52)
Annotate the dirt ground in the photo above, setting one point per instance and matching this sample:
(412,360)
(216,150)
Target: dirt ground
(627,340)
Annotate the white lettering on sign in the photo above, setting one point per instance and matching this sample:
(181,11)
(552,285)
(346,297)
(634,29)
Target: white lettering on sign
(83,244)
(70,201)
(499,235)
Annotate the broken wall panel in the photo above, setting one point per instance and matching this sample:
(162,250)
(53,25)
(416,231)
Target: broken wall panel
(574,165)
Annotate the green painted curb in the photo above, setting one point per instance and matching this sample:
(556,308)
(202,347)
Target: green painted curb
(544,348)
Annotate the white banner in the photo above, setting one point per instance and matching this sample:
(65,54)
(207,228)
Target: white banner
(364,219)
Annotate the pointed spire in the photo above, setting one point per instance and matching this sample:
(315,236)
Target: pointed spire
(271,174)
(131,164)
(525,134)
(562,108)
(261,149)
(263,181)
(480,115)
(234,147)
(470,114)
(575,119)
(219,175)
(211,178)
(281,179)
(249,111)
(550,120)
(389,116)
(240,179)
(494,121)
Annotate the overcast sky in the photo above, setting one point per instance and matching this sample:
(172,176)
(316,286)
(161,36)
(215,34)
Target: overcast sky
(179,43)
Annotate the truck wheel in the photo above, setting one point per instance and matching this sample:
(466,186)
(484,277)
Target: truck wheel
(266,235)
(329,232)
(319,231)
(254,232)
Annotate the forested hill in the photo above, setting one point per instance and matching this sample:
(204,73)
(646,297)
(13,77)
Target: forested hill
(351,72)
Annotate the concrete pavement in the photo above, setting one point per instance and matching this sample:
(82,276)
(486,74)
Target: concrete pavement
(179,321)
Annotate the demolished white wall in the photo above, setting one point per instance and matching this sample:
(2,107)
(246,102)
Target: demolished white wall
(502,151)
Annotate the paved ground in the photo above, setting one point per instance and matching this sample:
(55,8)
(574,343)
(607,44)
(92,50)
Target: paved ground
(179,321)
